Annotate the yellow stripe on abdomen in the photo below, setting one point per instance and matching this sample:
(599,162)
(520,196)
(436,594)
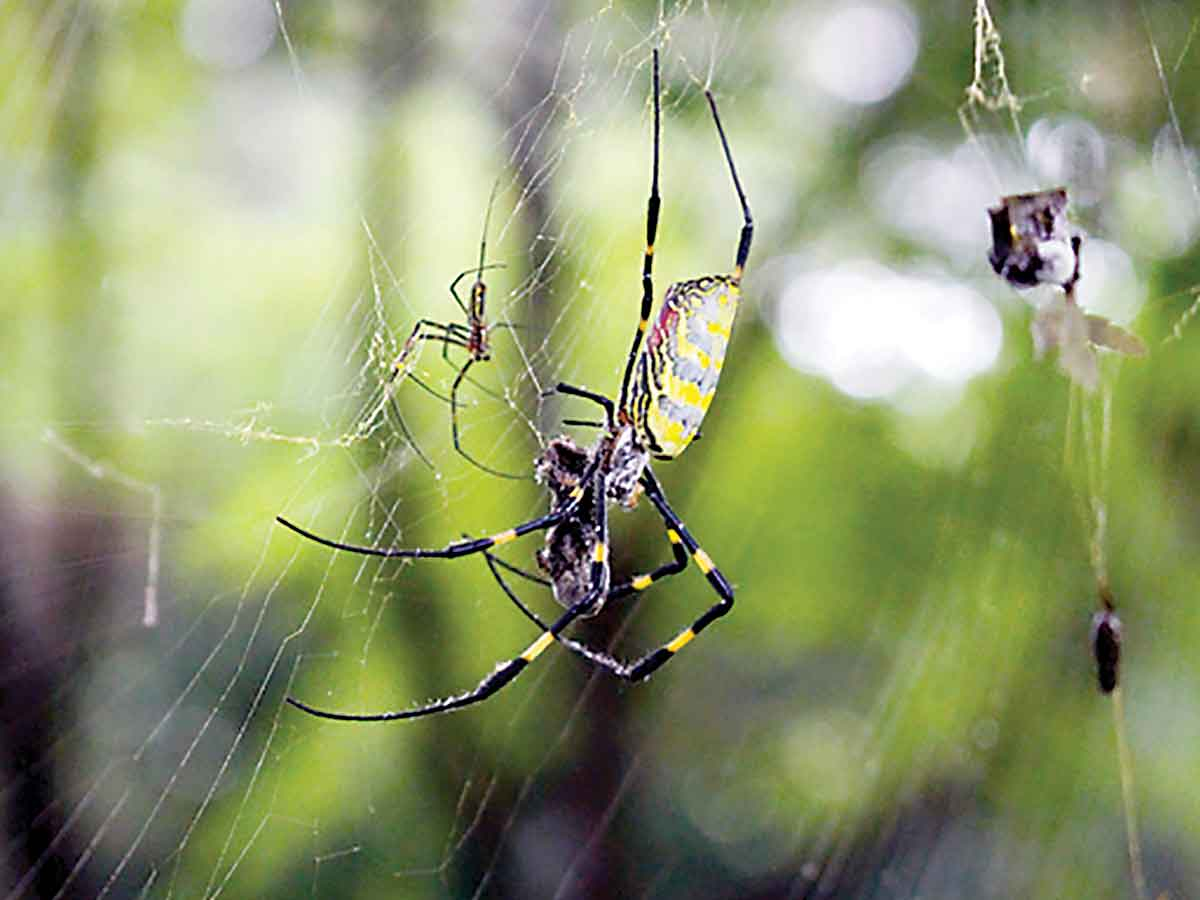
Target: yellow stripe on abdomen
(676,376)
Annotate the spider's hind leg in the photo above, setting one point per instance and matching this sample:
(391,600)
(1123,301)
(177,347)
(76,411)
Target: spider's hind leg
(684,545)
(454,430)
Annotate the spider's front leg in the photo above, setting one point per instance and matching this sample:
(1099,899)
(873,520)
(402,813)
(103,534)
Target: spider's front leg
(448,334)
(450,551)
(467,547)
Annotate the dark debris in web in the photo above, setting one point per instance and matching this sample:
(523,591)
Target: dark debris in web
(1034,244)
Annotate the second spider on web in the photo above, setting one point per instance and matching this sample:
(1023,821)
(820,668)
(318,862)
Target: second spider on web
(472,335)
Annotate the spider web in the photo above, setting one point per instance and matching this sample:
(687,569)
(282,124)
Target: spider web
(902,702)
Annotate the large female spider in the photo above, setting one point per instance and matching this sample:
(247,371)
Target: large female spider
(665,392)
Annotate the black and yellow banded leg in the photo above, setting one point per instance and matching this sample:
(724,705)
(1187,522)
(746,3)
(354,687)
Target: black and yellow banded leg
(450,551)
(498,678)
(507,671)
(461,548)
(703,561)
(640,582)
(632,586)
(495,564)
(652,208)
(644,667)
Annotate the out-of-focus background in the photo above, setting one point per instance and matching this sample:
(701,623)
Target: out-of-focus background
(222,219)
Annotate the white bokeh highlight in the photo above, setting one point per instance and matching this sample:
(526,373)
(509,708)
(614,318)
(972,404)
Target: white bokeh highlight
(873,331)
(862,53)
(1108,284)
(1177,176)
(227,34)
(935,197)
(1069,151)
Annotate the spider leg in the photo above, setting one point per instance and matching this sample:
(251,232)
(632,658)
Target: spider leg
(652,207)
(450,551)
(517,570)
(644,667)
(506,671)
(479,386)
(448,337)
(426,388)
(743,251)
(600,399)
(682,540)
(452,332)
(449,334)
(498,678)
(408,436)
(682,544)
(639,583)
(616,592)
(462,373)
(462,338)
(481,268)
(631,586)
(467,547)
(494,564)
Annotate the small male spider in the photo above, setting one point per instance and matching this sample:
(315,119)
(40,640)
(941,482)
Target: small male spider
(665,392)
(473,337)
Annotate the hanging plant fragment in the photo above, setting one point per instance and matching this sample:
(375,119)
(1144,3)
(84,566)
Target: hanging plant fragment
(1033,244)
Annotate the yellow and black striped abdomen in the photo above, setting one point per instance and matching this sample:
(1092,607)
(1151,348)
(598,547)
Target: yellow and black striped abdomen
(677,371)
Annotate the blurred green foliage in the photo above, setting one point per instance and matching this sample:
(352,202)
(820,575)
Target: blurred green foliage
(208,264)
